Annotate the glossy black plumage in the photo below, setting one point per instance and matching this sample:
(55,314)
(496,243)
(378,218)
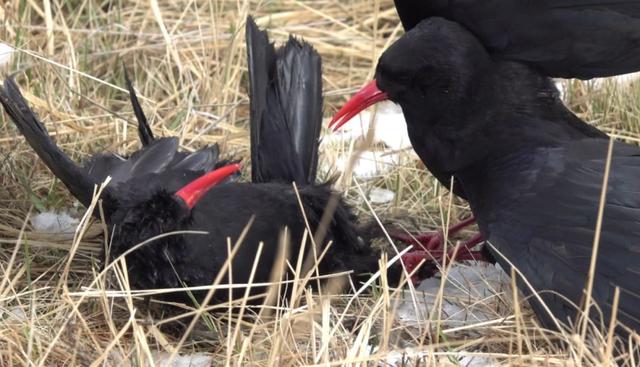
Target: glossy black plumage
(142,202)
(561,38)
(286,106)
(158,160)
(144,130)
(285,123)
(531,170)
(79,183)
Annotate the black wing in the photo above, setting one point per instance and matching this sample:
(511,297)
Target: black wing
(153,158)
(100,166)
(412,12)
(156,156)
(159,159)
(562,38)
(543,218)
(286,108)
(80,184)
(144,130)
(628,7)
(166,149)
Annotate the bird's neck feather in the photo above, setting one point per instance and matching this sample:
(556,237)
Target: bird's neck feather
(501,110)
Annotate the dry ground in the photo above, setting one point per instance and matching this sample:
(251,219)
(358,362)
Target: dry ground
(188,62)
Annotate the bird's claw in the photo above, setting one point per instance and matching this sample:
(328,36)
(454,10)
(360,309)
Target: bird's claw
(431,241)
(434,258)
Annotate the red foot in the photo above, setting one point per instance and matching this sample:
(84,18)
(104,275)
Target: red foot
(432,241)
(432,252)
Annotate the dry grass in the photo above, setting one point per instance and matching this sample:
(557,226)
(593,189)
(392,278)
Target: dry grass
(188,60)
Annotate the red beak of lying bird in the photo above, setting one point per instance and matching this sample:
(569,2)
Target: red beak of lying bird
(531,170)
(160,190)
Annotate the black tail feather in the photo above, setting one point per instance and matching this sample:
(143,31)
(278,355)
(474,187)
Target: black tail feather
(299,70)
(144,130)
(260,60)
(286,108)
(79,183)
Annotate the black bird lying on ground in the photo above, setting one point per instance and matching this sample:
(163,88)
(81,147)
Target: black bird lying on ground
(531,169)
(286,115)
(155,172)
(560,38)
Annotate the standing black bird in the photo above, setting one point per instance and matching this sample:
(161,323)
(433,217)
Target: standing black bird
(531,169)
(286,115)
(560,38)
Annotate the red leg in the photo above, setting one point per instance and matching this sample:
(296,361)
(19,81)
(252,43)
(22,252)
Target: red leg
(425,241)
(465,253)
(466,246)
(432,241)
(412,259)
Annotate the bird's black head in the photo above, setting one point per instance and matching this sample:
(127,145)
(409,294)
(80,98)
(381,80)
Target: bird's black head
(461,105)
(144,212)
(428,71)
(145,217)
(430,65)
(436,72)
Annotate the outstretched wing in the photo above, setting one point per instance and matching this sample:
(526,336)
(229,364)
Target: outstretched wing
(80,184)
(562,38)
(155,157)
(286,108)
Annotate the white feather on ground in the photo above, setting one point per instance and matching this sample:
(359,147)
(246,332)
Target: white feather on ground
(55,223)
(470,296)
(395,358)
(381,196)
(161,359)
(6,52)
(371,164)
(464,285)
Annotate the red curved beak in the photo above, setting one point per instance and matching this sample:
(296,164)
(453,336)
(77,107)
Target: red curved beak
(196,189)
(369,95)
